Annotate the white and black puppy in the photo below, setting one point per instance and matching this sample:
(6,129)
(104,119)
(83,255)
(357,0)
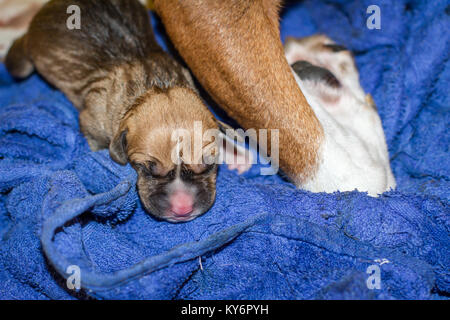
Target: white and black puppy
(354,147)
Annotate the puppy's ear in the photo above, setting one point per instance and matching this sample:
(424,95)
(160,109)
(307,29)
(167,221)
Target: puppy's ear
(118,148)
(309,72)
(319,82)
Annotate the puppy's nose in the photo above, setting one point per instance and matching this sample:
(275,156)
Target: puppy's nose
(181,203)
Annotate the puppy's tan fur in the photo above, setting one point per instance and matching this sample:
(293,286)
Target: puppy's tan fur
(150,125)
(130,93)
(113,91)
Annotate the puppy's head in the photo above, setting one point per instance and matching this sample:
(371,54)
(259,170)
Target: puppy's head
(160,136)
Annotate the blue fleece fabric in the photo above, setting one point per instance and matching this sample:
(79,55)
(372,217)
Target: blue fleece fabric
(263,239)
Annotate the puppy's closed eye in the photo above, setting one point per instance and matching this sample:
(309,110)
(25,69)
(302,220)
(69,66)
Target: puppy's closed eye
(197,171)
(186,173)
(151,169)
(200,169)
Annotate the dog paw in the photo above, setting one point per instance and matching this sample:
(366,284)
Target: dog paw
(241,168)
(237,157)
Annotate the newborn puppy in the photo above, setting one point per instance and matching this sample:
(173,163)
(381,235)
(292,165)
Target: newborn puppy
(355,149)
(131,96)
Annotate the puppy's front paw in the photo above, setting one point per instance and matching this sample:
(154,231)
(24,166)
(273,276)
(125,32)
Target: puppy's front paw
(241,168)
(235,155)
(237,158)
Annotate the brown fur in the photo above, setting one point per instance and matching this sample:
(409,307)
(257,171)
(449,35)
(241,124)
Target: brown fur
(131,95)
(106,81)
(234,49)
(150,122)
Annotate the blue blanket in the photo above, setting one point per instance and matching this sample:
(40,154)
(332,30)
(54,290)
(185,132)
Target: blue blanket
(61,204)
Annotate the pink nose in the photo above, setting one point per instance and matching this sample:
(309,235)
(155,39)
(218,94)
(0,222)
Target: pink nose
(181,203)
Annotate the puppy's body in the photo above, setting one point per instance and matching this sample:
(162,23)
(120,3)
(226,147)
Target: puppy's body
(131,95)
(103,67)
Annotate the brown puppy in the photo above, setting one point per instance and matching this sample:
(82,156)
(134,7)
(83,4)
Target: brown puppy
(131,96)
